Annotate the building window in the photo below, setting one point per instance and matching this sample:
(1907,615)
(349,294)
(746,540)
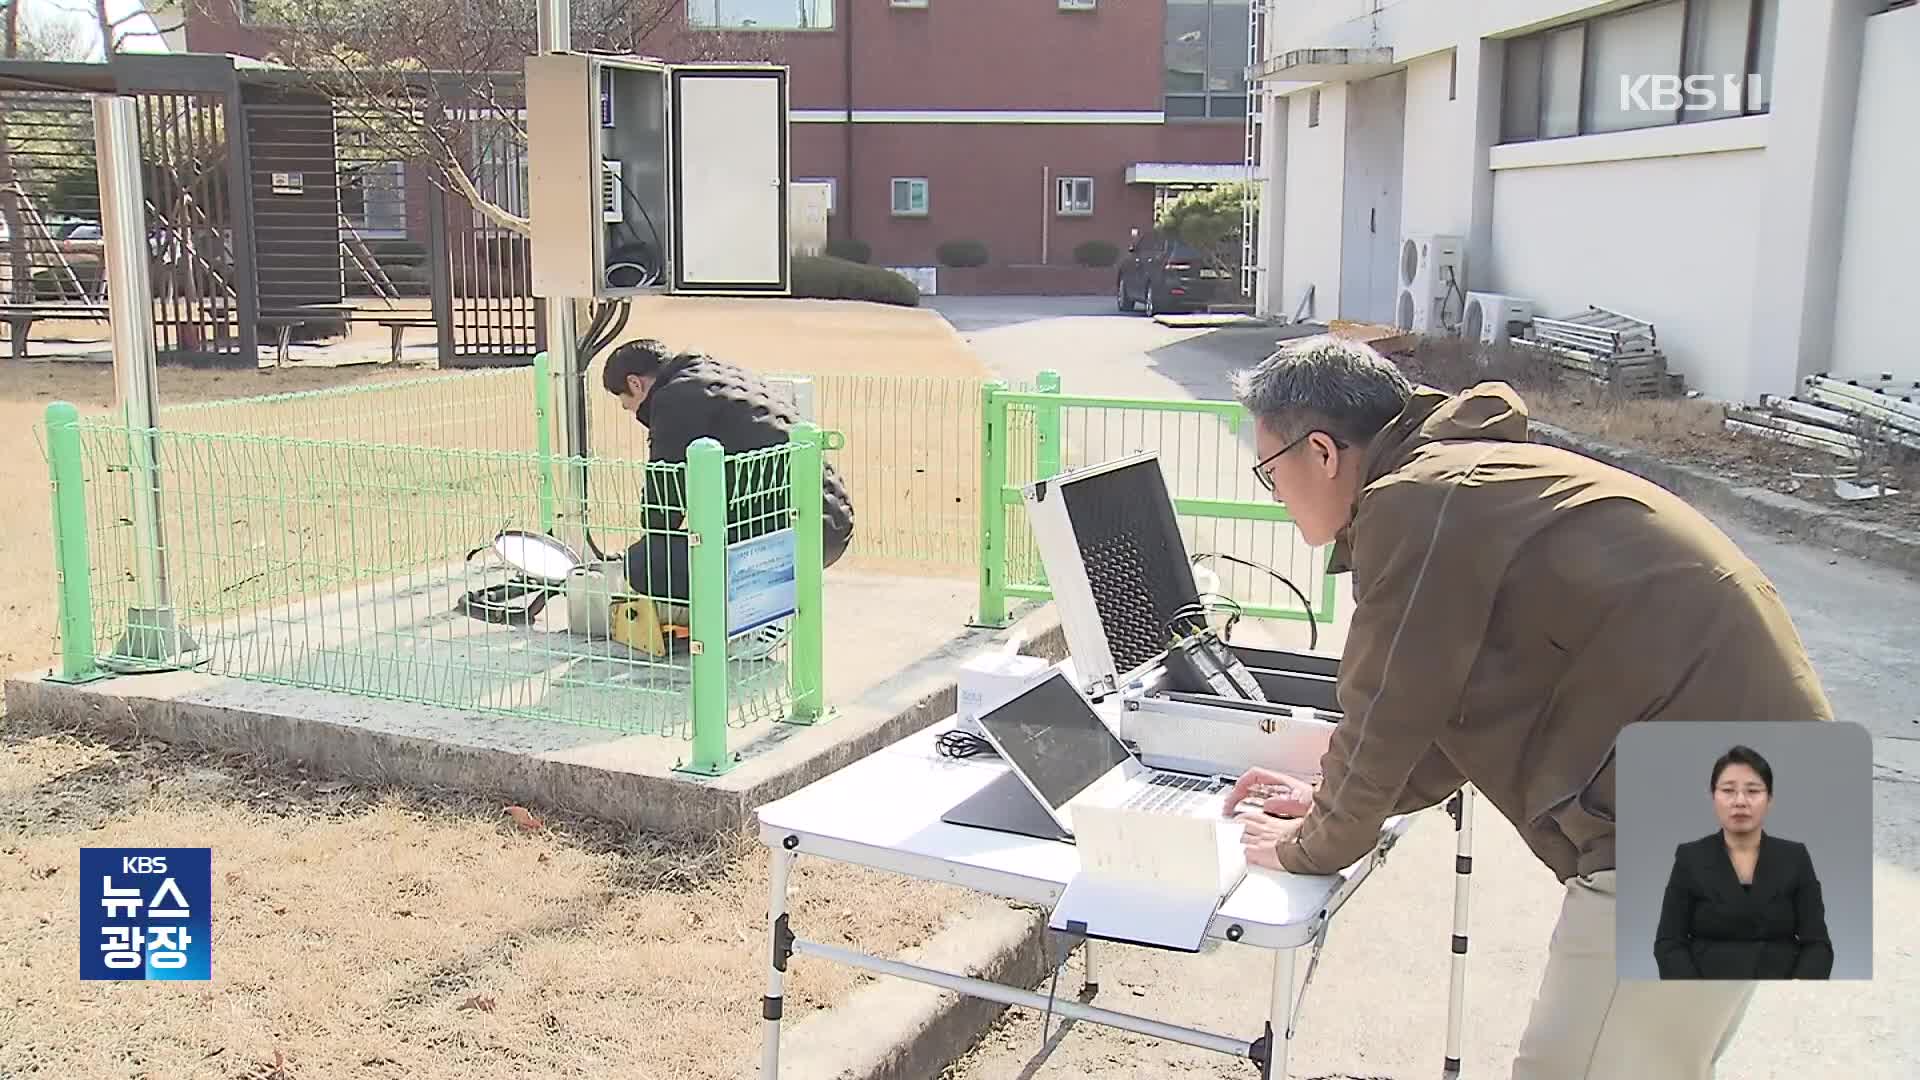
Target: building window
(1669,62)
(760,14)
(1074,197)
(909,196)
(907,3)
(1206,59)
(1313,108)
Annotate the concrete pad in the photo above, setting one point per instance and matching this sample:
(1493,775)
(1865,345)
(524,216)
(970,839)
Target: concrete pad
(893,647)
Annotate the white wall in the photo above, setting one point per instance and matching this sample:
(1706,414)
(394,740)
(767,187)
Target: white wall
(1414,28)
(1880,242)
(1438,179)
(1316,167)
(1667,239)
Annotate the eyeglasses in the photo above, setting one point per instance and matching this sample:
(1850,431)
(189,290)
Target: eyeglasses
(1260,472)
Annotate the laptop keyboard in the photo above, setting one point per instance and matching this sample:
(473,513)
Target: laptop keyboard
(1172,793)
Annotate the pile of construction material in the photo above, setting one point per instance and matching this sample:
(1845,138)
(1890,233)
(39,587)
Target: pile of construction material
(1845,417)
(1617,351)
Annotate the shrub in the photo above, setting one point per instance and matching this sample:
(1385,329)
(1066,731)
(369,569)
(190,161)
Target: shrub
(824,277)
(1096,253)
(962,253)
(851,250)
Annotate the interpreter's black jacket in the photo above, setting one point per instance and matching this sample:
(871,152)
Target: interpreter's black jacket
(1713,927)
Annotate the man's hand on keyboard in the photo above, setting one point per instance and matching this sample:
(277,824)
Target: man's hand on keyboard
(1277,793)
(1262,836)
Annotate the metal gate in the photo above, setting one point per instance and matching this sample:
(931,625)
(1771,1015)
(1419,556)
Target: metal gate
(495,317)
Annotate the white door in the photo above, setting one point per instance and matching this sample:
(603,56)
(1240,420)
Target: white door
(1370,241)
(730,180)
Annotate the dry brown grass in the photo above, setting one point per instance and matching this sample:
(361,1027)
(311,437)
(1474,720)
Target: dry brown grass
(1680,430)
(391,933)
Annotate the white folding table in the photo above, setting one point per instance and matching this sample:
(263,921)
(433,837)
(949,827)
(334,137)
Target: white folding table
(884,811)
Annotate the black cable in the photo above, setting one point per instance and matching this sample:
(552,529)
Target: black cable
(1200,611)
(1313,625)
(955,743)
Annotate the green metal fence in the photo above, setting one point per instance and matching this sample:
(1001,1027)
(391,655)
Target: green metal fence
(356,566)
(1205,450)
(910,453)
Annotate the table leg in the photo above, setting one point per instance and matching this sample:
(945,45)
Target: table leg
(780,948)
(1280,1009)
(1090,982)
(1461,808)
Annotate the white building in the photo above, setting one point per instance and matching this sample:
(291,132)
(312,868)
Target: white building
(1768,233)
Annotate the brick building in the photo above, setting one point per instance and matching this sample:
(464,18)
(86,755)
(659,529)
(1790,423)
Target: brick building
(1030,126)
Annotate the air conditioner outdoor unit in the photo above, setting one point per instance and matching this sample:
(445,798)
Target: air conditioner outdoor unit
(1490,317)
(1433,282)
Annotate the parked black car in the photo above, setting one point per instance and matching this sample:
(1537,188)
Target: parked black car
(1161,274)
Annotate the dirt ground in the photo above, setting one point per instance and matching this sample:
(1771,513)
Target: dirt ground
(391,933)
(1685,430)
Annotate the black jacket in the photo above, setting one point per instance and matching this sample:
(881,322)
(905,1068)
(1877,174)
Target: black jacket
(696,397)
(1712,927)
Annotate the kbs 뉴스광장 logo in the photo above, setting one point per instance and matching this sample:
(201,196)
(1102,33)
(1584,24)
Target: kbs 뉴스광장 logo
(146,913)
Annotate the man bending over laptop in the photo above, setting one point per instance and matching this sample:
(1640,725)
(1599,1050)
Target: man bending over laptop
(1515,607)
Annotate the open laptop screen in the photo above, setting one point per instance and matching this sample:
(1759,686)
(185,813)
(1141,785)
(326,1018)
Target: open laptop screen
(1055,739)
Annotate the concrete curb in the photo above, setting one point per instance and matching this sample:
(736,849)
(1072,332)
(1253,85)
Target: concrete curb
(538,764)
(1876,543)
(893,1029)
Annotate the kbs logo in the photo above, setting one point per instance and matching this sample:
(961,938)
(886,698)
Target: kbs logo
(146,913)
(1707,93)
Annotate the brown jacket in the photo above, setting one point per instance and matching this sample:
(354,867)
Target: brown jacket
(1516,606)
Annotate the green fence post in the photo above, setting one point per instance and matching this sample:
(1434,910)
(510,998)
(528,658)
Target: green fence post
(993,513)
(707,565)
(1046,420)
(806,656)
(72,567)
(543,433)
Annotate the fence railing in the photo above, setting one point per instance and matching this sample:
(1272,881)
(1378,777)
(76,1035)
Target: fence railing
(367,567)
(1206,455)
(910,455)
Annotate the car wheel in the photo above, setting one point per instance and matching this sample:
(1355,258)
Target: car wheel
(1121,300)
(1153,304)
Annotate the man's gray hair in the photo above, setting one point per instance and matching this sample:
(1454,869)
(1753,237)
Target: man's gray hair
(1333,384)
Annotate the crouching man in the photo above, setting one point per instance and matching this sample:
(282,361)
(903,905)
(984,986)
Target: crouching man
(681,397)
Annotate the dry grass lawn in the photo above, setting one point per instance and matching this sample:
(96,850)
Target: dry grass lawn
(392,933)
(1684,430)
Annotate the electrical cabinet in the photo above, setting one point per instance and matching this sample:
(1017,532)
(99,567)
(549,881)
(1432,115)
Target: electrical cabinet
(647,177)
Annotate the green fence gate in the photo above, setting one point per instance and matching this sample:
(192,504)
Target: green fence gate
(1205,453)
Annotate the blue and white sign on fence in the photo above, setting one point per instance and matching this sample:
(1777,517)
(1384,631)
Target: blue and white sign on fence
(146,913)
(760,581)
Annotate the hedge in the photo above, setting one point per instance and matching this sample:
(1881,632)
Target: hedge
(960,253)
(823,277)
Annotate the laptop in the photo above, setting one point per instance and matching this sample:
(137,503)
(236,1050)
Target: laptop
(1157,854)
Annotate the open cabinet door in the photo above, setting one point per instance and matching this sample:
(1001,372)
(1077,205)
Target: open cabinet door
(730,177)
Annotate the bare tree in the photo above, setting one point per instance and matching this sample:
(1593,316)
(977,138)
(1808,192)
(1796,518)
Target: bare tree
(439,81)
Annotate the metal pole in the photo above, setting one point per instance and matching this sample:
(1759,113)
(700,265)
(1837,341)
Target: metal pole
(151,631)
(1461,807)
(71,561)
(567,385)
(779,864)
(1028,999)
